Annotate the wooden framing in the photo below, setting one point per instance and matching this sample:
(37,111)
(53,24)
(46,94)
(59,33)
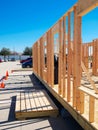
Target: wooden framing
(85,55)
(52,58)
(85,8)
(48,58)
(64,58)
(41,58)
(73,65)
(95,57)
(91,109)
(69,61)
(60,56)
(75,58)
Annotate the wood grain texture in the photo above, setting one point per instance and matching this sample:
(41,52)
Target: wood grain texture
(34,104)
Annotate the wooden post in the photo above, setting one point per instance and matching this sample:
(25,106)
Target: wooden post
(77,59)
(64,57)
(33,58)
(60,56)
(91,109)
(34,53)
(95,57)
(48,57)
(69,61)
(81,102)
(45,51)
(42,57)
(59,62)
(83,52)
(38,50)
(96,42)
(86,56)
(52,57)
(90,52)
(37,56)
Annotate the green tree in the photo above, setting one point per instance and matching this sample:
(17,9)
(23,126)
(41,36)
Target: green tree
(27,51)
(4,52)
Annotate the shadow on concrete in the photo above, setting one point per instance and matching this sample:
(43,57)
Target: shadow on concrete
(66,122)
(15,90)
(12,109)
(36,82)
(37,124)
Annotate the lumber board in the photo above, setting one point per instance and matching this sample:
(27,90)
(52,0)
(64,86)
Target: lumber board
(59,63)
(88,91)
(23,102)
(85,6)
(75,58)
(91,109)
(52,57)
(69,60)
(79,56)
(34,104)
(81,102)
(27,101)
(46,102)
(64,56)
(42,100)
(18,106)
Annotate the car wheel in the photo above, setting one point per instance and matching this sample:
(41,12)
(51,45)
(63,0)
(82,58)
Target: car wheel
(28,66)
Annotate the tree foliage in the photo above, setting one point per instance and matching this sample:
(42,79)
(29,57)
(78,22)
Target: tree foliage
(27,51)
(5,51)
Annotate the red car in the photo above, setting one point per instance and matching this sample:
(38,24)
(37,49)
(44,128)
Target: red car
(25,60)
(0,60)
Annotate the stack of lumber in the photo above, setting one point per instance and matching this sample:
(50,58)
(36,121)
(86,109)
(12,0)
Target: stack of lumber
(35,103)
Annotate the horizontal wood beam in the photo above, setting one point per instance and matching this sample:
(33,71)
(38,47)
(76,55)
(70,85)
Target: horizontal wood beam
(86,6)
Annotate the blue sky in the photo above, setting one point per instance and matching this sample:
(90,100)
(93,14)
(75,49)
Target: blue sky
(22,22)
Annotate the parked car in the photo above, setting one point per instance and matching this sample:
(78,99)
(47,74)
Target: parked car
(27,64)
(21,61)
(13,59)
(1,60)
(5,60)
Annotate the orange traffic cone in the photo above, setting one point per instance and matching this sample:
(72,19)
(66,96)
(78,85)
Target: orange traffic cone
(6,77)
(2,85)
(7,73)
